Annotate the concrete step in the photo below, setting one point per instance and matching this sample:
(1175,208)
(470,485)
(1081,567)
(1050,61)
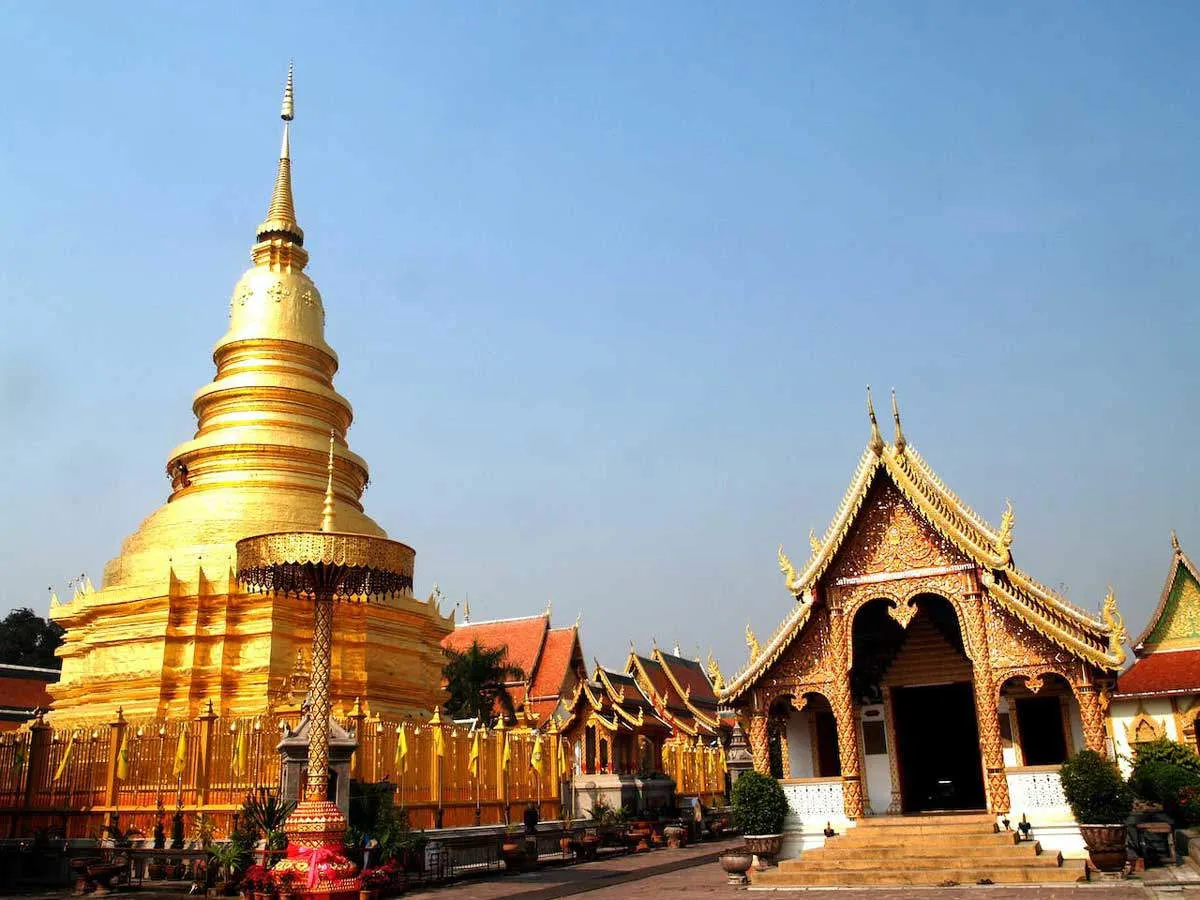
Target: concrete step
(884,840)
(1026,850)
(1073,870)
(926,827)
(969,818)
(812,862)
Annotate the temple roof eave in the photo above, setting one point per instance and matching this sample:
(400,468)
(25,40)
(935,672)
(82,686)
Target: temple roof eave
(1037,606)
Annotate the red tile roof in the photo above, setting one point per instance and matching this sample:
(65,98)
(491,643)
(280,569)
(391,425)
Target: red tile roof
(1162,672)
(558,651)
(522,638)
(690,675)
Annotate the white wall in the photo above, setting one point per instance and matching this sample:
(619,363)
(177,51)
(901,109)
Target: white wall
(799,740)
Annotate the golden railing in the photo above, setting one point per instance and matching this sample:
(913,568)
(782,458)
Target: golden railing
(132,769)
(697,769)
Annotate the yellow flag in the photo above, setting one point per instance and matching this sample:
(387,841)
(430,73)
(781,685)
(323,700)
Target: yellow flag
(473,760)
(723,761)
(507,756)
(240,751)
(439,739)
(180,754)
(535,758)
(62,763)
(563,767)
(401,759)
(123,758)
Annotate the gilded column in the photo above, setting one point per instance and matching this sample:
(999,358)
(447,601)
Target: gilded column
(760,750)
(844,711)
(987,713)
(896,806)
(1091,714)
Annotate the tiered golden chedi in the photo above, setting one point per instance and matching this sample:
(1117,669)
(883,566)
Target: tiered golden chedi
(170,629)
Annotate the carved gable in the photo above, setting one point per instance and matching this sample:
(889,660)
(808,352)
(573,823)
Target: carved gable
(890,536)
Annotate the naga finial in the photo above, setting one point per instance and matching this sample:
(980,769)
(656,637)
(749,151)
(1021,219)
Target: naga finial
(752,643)
(714,673)
(876,443)
(1116,627)
(814,542)
(1004,538)
(900,442)
(790,577)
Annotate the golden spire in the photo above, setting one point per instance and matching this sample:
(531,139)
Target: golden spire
(876,443)
(281,221)
(1174,541)
(900,442)
(327,510)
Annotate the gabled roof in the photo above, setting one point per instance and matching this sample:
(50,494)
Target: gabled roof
(656,681)
(1161,673)
(560,649)
(1050,614)
(523,639)
(1176,619)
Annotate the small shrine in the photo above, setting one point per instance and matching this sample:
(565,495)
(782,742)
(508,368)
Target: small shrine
(1159,695)
(920,669)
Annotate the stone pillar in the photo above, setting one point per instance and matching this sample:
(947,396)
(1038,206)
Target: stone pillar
(1091,714)
(760,751)
(845,713)
(739,758)
(987,715)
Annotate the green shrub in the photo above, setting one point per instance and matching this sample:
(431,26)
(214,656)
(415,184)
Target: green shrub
(759,804)
(1095,790)
(1161,782)
(1165,751)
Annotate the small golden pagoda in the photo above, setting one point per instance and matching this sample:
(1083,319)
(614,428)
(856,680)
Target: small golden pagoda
(170,629)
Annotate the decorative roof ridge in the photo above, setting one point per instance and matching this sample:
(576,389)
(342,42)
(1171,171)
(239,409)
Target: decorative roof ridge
(942,488)
(1178,558)
(1109,658)
(540,615)
(835,533)
(662,709)
(779,641)
(618,698)
(701,716)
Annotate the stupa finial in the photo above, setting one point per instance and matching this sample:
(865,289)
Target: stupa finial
(876,444)
(281,214)
(327,510)
(900,442)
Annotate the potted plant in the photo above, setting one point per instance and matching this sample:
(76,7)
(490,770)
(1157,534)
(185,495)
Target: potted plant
(227,857)
(675,835)
(759,808)
(255,882)
(512,851)
(736,862)
(1101,801)
(373,882)
(287,885)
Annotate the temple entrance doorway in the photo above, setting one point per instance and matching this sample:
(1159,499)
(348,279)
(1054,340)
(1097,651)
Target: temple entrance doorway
(939,759)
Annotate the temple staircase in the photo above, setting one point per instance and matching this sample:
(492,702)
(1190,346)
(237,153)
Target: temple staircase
(935,849)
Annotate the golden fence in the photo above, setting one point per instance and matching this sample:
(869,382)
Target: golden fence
(697,769)
(75,780)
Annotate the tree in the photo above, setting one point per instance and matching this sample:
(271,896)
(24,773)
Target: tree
(476,681)
(26,639)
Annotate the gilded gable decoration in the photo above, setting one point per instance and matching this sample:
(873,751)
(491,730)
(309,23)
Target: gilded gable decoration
(1144,728)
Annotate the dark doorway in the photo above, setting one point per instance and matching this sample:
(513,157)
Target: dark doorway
(940,765)
(1040,721)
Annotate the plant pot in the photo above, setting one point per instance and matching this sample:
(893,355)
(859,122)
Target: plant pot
(1106,846)
(674,835)
(367,894)
(736,864)
(513,855)
(765,846)
(589,845)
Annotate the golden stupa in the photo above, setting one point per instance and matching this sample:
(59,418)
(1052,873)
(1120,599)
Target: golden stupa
(170,629)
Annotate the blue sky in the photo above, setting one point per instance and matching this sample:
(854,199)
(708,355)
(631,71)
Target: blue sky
(607,280)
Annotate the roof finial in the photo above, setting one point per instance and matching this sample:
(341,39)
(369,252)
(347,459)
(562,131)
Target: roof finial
(281,215)
(467,608)
(327,510)
(900,442)
(1174,541)
(876,443)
